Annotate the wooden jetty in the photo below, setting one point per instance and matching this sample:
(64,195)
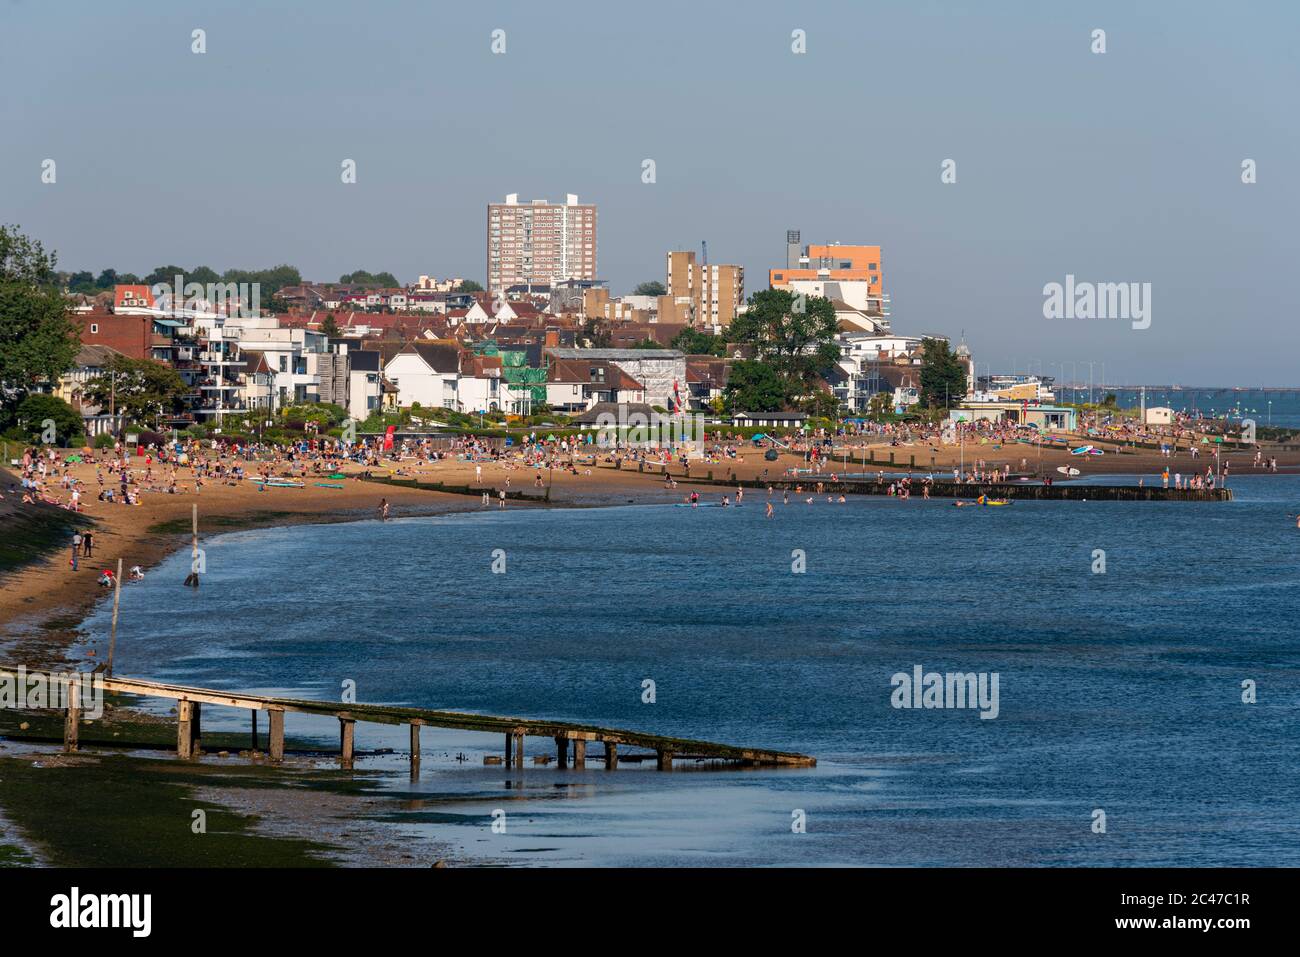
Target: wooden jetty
(1057,491)
(568,737)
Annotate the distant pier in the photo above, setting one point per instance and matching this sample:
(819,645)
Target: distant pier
(1063,490)
(1058,491)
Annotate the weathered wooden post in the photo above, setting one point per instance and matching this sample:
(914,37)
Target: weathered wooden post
(519,748)
(189,733)
(562,750)
(664,760)
(579,753)
(415,748)
(72,722)
(112,635)
(347,742)
(510,748)
(276,733)
(611,755)
(253,712)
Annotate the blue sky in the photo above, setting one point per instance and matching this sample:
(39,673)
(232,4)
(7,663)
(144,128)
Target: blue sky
(1119,167)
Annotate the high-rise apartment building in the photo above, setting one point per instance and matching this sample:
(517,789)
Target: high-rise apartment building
(705,295)
(539,243)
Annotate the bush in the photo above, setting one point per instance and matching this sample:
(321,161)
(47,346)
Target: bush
(104,440)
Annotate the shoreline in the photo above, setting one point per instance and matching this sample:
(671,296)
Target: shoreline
(43,603)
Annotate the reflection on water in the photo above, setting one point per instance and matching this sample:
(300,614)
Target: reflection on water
(1119,691)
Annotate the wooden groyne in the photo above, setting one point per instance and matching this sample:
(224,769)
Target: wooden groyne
(946,488)
(512,495)
(568,737)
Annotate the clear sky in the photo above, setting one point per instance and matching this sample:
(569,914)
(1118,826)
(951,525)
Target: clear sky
(1115,167)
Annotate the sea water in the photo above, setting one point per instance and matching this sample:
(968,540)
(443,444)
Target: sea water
(1124,637)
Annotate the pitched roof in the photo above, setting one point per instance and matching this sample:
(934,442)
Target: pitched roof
(364,360)
(441,357)
(94,356)
(575,370)
(613,408)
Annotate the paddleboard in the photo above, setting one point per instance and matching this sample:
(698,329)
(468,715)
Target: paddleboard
(1066,470)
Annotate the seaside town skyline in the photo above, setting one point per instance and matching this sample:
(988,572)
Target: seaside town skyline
(458,443)
(1039,190)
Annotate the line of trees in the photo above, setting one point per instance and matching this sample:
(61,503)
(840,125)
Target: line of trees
(271,280)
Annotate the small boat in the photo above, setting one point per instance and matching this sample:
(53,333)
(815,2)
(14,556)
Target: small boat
(281,483)
(1066,470)
(985,500)
(328,484)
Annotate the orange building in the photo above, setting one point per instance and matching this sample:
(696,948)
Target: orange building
(834,262)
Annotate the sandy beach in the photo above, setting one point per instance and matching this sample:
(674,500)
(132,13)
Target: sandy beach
(43,599)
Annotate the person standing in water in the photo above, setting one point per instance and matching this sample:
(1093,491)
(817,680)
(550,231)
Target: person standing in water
(383,509)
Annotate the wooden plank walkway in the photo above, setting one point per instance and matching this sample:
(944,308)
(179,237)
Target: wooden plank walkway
(569,737)
(1057,491)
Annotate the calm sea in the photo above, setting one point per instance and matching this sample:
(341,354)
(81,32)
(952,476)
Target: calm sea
(1275,408)
(1118,692)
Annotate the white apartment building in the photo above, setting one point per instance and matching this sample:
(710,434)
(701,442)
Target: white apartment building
(539,243)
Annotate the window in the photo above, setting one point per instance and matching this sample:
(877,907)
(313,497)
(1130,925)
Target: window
(94,328)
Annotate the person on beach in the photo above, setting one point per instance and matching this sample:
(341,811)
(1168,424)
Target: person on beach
(770,510)
(88,545)
(76,547)
(383,509)
(502,495)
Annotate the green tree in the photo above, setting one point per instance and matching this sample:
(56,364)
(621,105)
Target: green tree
(469,285)
(651,288)
(331,327)
(38,339)
(363,278)
(596,334)
(37,412)
(139,389)
(270,280)
(879,406)
(697,343)
(107,279)
(795,333)
(823,403)
(943,377)
(167,276)
(648,344)
(82,281)
(203,274)
(754,386)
